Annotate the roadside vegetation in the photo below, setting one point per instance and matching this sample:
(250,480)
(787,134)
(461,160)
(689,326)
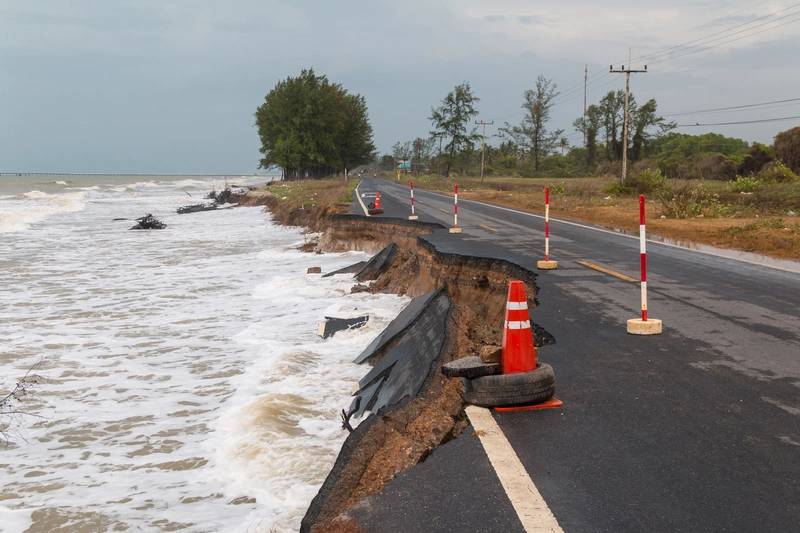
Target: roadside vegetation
(305,202)
(707,188)
(687,211)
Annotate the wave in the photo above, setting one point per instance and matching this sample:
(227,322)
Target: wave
(35,206)
(181,184)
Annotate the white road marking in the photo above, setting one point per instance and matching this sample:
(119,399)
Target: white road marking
(627,236)
(531,508)
(360,201)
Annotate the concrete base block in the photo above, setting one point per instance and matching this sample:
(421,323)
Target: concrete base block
(546,265)
(637,326)
(412,217)
(455,229)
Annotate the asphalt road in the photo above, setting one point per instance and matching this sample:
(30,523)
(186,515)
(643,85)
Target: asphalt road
(697,429)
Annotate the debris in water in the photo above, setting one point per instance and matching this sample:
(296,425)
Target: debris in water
(149,222)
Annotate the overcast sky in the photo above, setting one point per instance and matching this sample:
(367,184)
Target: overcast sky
(171,86)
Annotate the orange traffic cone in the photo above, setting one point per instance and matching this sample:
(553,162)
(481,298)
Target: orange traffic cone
(519,350)
(519,353)
(375,207)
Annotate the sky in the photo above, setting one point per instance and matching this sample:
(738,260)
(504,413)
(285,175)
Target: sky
(170,86)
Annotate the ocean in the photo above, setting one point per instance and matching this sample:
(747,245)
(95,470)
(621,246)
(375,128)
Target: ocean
(181,383)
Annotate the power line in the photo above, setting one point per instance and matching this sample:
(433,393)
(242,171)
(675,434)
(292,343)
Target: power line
(697,45)
(709,47)
(704,43)
(776,119)
(731,108)
(713,36)
(694,41)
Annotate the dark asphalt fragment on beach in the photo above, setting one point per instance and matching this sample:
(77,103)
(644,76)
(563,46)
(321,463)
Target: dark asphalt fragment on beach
(149,222)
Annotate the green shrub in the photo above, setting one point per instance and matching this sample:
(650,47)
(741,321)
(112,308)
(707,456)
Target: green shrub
(689,201)
(787,148)
(757,157)
(648,181)
(618,189)
(557,188)
(777,172)
(745,184)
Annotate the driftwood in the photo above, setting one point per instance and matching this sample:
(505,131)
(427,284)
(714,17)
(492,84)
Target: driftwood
(10,403)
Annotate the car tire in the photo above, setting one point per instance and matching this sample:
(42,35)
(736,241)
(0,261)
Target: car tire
(520,388)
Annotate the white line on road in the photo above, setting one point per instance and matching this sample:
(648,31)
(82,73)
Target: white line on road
(531,508)
(360,201)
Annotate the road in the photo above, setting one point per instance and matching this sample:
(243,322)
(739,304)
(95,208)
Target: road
(697,429)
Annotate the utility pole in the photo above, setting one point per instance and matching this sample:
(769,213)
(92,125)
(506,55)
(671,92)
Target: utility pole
(483,142)
(585,80)
(626,119)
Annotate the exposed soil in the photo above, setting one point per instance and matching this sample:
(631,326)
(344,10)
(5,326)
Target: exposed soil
(390,442)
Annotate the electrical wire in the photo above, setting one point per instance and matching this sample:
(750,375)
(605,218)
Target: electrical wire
(730,108)
(776,119)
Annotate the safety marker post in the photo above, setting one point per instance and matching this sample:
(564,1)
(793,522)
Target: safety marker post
(456,228)
(643,325)
(546,263)
(413,215)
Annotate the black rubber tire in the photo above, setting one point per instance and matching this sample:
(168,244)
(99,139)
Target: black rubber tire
(469,367)
(512,389)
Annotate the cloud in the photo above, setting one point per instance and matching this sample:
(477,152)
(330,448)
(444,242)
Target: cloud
(86,83)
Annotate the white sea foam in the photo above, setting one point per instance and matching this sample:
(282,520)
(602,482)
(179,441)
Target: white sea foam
(14,520)
(181,371)
(197,184)
(35,206)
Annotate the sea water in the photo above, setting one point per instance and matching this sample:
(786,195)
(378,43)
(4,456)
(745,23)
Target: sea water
(180,380)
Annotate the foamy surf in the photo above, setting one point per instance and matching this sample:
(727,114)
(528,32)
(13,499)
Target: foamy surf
(18,213)
(184,384)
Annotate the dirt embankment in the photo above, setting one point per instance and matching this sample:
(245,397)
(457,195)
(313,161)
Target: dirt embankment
(399,437)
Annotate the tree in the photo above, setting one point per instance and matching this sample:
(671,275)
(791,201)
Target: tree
(563,143)
(787,148)
(532,133)
(645,126)
(677,154)
(423,149)
(355,134)
(451,118)
(401,151)
(612,108)
(590,126)
(756,159)
(311,127)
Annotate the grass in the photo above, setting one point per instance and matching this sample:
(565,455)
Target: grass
(305,194)
(759,221)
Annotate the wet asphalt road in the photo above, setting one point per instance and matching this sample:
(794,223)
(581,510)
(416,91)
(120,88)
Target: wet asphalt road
(697,429)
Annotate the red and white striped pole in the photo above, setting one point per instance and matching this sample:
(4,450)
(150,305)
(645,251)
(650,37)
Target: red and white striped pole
(547,223)
(643,325)
(547,264)
(456,228)
(643,256)
(413,215)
